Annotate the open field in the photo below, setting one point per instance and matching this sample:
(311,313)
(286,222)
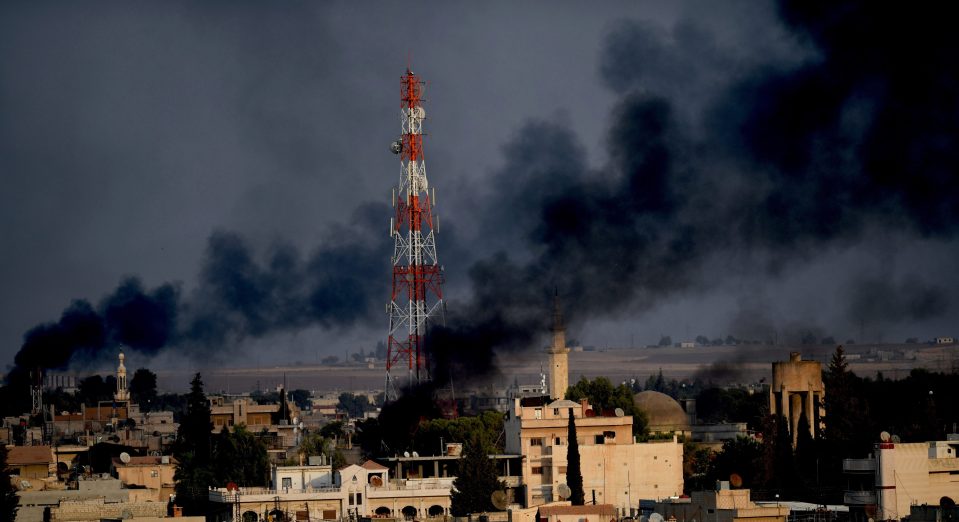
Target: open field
(740,364)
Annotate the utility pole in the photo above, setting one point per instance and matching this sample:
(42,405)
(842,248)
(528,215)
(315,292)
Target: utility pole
(417,297)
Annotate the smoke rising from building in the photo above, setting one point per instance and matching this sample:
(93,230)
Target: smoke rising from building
(709,155)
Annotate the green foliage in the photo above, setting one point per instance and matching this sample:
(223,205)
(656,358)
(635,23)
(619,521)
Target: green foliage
(194,473)
(487,427)
(574,472)
(9,500)
(315,444)
(714,405)
(354,405)
(476,481)
(333,430)
(240,456)
(143,388)
(301,398)
(603,396)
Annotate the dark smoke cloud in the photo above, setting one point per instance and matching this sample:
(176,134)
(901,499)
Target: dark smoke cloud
(790,160)
(884,300)
(238,296)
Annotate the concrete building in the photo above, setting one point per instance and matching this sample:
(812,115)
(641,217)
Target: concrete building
(587,513)
(30,462)
(364,490)
(154,474)
(122,394)
(721,505)
(903,475)
(558,356)
(614,467)
(665,415)
(796,390)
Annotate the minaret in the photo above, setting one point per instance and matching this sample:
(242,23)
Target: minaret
(558,355)
(122,393)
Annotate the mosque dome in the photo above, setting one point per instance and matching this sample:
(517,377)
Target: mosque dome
(663,412)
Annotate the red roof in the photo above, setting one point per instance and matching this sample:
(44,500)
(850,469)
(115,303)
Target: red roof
(373,466)
(27,455)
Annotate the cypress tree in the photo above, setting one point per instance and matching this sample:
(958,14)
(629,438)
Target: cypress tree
(475,482)
(194,473)
(574,473)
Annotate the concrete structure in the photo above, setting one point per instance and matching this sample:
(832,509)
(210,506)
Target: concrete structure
(155,474)
(359,490)
(587,513)
(797,389)
(96,498)
(905,474)
(30,462)
(615,467)
(664,414)
(122,394)
(722,505)
(558,356)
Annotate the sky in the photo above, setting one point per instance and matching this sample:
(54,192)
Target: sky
(210,181)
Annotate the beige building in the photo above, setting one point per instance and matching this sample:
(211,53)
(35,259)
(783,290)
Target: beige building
(907,474)
(664,414)
(317,493)
(797,389)
(155,474)
(617,469)
(722,505)
(30,462)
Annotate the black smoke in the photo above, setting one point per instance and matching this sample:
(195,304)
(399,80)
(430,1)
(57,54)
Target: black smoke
(780,163)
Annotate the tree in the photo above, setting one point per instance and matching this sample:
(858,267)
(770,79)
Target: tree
(604,397)
(354,405)
(143,388)
(665,341)
(240,457)
(194,473)
(315,444)
(9,500)
(476,481)
(574,473)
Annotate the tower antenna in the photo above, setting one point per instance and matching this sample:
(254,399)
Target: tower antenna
(417,297)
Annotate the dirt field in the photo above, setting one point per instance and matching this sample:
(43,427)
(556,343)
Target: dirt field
(739,364)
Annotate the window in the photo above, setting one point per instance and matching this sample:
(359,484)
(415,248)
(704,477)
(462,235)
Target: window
(536,442)
(537,470)
(556,412)
(609,434)
(599,439)
(287,483)
(154,473)
(538,413)
(562,470)
(359,498)
(559,441)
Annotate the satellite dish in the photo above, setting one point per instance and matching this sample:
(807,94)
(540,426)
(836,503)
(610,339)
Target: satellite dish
(406,454)
(396,147)
(125,457)
(884,436)
(415,454)
(896,439)
(24,484)
(735,480)
(619,412)
(563,491)
(655,517)
(499,499)
(376,481)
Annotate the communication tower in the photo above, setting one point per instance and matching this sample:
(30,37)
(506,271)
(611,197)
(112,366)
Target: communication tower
(417,296)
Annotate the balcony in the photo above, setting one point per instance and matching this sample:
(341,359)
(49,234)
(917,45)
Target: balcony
(859,498)
(858,465)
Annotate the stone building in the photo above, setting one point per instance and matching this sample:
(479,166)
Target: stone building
(664,414)
(614,466)
(558,356)
(797,390)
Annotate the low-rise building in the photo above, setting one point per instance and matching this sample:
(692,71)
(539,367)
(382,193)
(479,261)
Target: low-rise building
(154,474)
(610,457)
(721,505)
(30,462)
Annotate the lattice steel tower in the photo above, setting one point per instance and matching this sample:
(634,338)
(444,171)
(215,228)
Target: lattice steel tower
(417,297)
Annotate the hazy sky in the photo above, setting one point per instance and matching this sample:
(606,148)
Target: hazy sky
(132,133)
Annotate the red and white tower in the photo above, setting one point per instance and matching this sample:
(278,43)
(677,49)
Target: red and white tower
(417,297)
